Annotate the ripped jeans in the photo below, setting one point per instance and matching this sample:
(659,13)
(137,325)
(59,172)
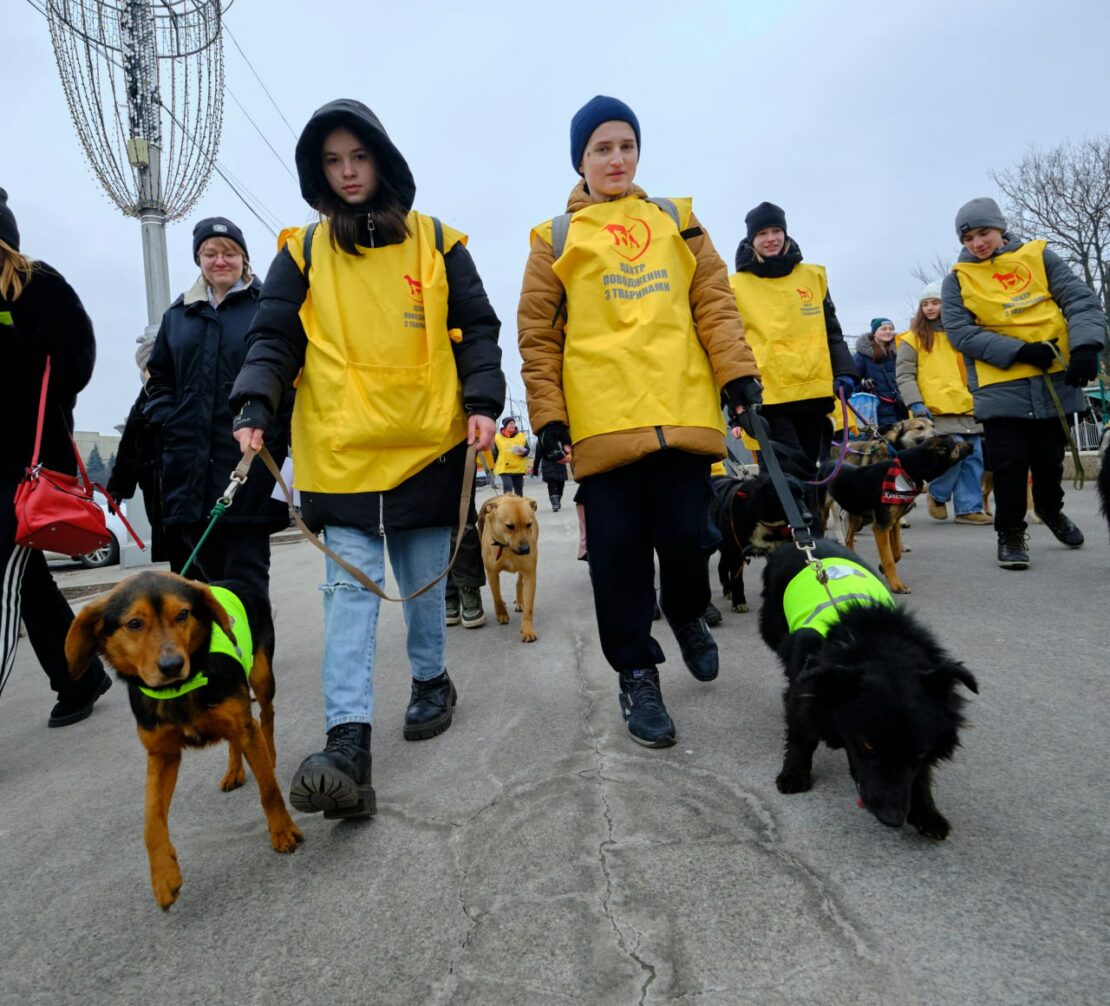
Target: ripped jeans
(351,613)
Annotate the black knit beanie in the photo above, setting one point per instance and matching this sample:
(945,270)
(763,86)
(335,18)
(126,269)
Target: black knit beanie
(601,108)
(763,216)
(217,227)
(9,233)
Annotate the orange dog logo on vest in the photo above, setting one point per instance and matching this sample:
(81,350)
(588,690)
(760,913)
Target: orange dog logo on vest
(805,295)
(416,289)
(1015,281)
(631,241)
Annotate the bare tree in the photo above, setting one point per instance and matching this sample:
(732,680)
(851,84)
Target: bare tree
(933,271)
(1063,195)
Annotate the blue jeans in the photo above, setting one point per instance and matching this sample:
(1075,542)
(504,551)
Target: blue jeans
(964,480)
(351,613)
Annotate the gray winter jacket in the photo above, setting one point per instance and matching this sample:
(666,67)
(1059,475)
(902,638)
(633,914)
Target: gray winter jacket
(906,375)
(1026,397)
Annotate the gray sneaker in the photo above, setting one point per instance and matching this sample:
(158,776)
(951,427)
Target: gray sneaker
(453,610)
(472,614)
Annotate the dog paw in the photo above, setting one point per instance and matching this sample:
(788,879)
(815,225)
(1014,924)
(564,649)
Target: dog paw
(286,838)
(931,824)
(233,780)
(166,881)
(502,615)
(518,606)
(899,588)
(740,608)
(793,782)
(528,635)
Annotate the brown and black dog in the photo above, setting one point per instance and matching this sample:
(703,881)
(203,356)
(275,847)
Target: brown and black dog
(510,535)
(155,629)
(879,494)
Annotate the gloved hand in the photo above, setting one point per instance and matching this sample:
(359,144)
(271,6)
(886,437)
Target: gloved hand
(845,383)
(743,392)
(1036,354)
(553,440)
(1082,367)
(919,411)
(868,385)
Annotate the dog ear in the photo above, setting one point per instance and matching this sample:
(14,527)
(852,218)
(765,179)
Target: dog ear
(207,601)
(943,677)
(83,638)
(486,507)
(533,502)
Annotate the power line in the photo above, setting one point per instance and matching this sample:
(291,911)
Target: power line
(259,131)
(235,42)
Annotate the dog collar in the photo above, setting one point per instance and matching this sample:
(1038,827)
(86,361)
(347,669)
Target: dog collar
(898,486)
(500,547)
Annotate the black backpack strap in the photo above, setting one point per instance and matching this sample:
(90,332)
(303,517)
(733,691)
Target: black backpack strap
(437,226)
(306,248)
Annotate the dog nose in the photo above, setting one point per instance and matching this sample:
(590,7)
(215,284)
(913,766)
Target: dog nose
(171,666)
(524,549)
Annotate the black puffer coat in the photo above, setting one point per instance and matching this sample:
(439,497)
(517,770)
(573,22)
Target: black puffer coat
(47,318)
(193,365)
(430,498)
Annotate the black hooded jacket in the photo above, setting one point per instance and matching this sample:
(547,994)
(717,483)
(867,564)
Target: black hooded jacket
(47,318)
(277,343)
(783,264)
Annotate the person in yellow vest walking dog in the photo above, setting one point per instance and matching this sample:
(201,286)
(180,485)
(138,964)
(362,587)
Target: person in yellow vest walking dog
(932,381)
(790,323)
(512,454)
(629,335)
(1009,306)
(384,310)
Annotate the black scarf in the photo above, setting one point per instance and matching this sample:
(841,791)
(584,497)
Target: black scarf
(771,267)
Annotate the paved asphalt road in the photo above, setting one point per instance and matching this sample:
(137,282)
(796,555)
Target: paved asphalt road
(534,854)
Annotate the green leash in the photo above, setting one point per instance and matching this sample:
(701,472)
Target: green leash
(238,477)
(1079,477)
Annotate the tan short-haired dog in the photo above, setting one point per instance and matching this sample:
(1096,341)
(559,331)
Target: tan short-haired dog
(510,532)
(185,663)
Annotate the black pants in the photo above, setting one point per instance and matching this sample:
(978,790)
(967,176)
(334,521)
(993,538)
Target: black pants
(468,571)
(28,592)
(804,426)
(555,488)
(1019,448)
(512,484)
(655,505)
(230,552)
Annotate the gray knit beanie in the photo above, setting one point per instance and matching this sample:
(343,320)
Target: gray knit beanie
(981,212)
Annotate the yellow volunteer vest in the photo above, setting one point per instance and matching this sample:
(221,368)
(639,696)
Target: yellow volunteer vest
(379,397)
(509,463)
(784,323)
(941,377)
(631,356)
(1009,294)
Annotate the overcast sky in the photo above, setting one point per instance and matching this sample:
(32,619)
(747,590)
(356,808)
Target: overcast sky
(869,122)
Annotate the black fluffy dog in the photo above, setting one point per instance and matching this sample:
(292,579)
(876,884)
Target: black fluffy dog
(877,684)
(1104,475)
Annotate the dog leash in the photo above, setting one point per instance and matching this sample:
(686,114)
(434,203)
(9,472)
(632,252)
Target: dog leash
(1079,477)
(358,574)
(840,456)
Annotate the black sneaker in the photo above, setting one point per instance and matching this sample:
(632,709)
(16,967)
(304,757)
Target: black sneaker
(699,649)
(431,707)
(454,615)
(66,711)
(641,701)
(337,779)
(712,615)
(472,614)
(1013,550)
(1065,531)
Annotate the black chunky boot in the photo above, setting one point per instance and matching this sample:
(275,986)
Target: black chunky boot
(699,649)
(337,779)
(430,709)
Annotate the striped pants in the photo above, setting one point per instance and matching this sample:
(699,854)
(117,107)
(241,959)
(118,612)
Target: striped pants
(28,592)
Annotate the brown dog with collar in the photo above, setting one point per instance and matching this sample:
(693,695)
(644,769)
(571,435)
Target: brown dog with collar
(510,533)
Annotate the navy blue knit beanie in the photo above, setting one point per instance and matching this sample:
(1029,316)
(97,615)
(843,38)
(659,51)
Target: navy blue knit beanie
(763,216)
(9,233)
(591,115)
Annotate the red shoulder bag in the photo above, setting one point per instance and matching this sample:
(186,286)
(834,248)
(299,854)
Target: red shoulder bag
(56,512)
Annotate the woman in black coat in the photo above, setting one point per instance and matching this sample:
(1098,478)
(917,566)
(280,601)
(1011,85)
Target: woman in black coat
(199,350)
(40,316)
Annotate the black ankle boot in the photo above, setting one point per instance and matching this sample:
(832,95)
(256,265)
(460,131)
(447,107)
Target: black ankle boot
(337,779)
(430,709)
(699,649)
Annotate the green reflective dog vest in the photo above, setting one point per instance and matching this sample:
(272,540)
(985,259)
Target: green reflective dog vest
(807,603)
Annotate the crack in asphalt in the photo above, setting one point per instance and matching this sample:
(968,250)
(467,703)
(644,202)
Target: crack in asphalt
(603,858)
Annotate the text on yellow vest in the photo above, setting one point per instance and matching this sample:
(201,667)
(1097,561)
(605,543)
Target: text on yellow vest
(379,397)
(784,323)
(631,356)
(1009,294)
(941,377)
